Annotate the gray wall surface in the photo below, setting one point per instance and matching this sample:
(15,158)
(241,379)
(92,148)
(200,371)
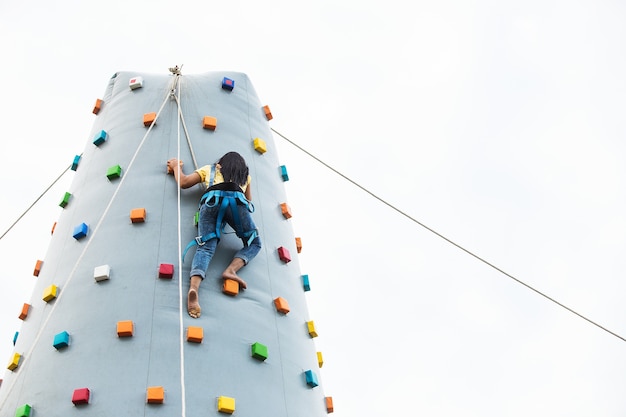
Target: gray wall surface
(117,370)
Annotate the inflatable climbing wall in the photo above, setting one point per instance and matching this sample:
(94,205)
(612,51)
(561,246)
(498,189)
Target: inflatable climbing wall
(106,332)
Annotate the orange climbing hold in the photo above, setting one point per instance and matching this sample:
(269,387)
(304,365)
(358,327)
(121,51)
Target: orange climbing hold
(24,312)
(97,106)
(329,404)
(231,287)
(268,113)
(38,266)
(195,334)
(299,244)
(149,118)
(138,215)
(125,328)
(281,305)
(209,122)
(155,395)
(286,210)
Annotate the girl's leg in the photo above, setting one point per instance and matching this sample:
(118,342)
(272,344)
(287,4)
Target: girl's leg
(201,259)
(245,254)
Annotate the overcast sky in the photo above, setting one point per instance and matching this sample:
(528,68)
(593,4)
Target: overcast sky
(498,124)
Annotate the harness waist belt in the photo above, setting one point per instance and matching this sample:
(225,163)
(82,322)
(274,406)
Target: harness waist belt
(226,200)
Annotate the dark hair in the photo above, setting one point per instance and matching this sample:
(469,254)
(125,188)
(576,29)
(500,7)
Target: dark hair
(234,168)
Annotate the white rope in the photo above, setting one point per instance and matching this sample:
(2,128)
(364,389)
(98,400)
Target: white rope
(193,155)
(180,268)
(87,245)
(36,200)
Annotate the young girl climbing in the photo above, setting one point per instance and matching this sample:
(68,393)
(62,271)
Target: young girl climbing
(227,200)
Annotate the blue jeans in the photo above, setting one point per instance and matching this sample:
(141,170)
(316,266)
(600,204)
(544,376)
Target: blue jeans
(207,225)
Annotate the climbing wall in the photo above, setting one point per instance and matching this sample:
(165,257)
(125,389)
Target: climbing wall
(106,331)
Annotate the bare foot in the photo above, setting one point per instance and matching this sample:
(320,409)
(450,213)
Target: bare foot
(193,307)
(229,274)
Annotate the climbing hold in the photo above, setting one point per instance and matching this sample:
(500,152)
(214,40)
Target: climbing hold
(65,201)
(23,411)
(169,170)
(149,118)
(100,138)
(54,226)
(80,231)
(259,145)
(125,328)
(329,404)
(97,106)
(24,312)
(195,334)
(320,359)
(80,396)
(14,342)
(75,162)
(38,266)
(284,255)
(228,84)
(310,325)
(259,351)
(305,283)
(225,404)
(166,270)
(283,173)
(50,293)
(230,287)
(286,210)
(268,113)
(311,378)
(299,244)
(101,273)
(135,83)
(281,305)
(15,361)
(209,122)
(155,395)
(114,172)
(138,215)
(61,340)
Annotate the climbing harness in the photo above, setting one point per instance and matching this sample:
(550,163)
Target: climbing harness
(226,196)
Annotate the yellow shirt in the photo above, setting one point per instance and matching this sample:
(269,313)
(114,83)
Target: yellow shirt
(205,176)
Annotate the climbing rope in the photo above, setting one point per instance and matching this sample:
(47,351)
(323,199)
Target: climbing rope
(36,200)
(182,119)
(180,248)
(447,239)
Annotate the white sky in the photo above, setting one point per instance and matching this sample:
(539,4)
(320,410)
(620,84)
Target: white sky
(499,124)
